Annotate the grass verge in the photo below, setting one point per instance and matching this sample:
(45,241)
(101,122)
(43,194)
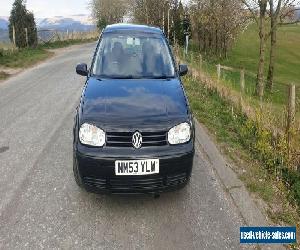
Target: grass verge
(3,75)
(24,58)
(241,141)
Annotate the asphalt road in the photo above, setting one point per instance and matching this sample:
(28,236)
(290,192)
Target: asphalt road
(40,204)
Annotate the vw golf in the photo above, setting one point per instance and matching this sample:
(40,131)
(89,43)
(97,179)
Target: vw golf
(133,129)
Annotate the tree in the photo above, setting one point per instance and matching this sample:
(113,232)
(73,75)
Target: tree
(20,18)
(108,11)
(216,24)
(178,17)
(283,9)
(169,15)
(151,12)
(32,31)
(278,9)
(262,44)
(259,6)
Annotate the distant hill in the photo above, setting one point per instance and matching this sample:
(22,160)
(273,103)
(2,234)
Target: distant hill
(4,29)
(79,22)
(3,23)
(4,35)
(74,22)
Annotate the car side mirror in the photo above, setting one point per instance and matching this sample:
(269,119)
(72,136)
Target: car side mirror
(183,69)
(81,69)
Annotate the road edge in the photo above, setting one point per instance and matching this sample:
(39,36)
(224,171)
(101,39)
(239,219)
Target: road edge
(53,53)
(251,213)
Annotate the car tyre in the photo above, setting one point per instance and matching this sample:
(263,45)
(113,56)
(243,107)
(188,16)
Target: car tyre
(77,177)
(187,182)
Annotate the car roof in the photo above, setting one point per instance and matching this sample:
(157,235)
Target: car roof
(132,27)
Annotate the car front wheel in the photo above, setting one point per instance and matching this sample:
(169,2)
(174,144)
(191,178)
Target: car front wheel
(76,172)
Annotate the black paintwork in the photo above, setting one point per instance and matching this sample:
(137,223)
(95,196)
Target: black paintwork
(133,103)
(128,105)
(81,69)
(183,70)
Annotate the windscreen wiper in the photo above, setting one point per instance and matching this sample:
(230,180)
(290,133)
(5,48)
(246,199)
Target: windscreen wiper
(160,77)
(123,77)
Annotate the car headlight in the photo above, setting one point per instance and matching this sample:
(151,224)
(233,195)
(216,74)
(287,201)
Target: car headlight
(91,135)
(179,134)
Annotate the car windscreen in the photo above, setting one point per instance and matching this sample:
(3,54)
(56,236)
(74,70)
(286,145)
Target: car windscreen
(138,55)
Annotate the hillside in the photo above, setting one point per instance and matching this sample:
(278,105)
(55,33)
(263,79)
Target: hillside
(3,23)
(74,22)
(245,53)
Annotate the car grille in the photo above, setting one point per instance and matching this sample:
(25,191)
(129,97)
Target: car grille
(124,139)
(142,184)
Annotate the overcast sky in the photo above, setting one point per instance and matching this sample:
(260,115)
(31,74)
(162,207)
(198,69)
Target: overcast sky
(49,8)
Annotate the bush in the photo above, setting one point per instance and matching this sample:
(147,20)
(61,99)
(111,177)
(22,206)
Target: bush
(20,18)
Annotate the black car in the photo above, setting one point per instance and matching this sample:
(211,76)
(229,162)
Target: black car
(133,131)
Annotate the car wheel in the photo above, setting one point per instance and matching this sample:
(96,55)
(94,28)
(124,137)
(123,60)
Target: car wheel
(77,177)
(187,182)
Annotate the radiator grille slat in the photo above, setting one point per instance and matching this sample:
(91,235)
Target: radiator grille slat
(116,184)
(124,139)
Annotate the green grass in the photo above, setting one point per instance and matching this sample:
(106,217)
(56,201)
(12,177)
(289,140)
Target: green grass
(3,75)
(5,45)
(228,128)
(245,54)
(24,58)
(264,189)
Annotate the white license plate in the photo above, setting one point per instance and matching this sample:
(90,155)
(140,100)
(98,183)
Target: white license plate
(137,167)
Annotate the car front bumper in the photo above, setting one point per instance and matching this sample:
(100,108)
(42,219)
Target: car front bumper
(97,170)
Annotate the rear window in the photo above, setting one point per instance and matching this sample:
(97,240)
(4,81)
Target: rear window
(122,55)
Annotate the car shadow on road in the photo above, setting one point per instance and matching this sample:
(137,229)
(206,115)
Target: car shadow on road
(136,200)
